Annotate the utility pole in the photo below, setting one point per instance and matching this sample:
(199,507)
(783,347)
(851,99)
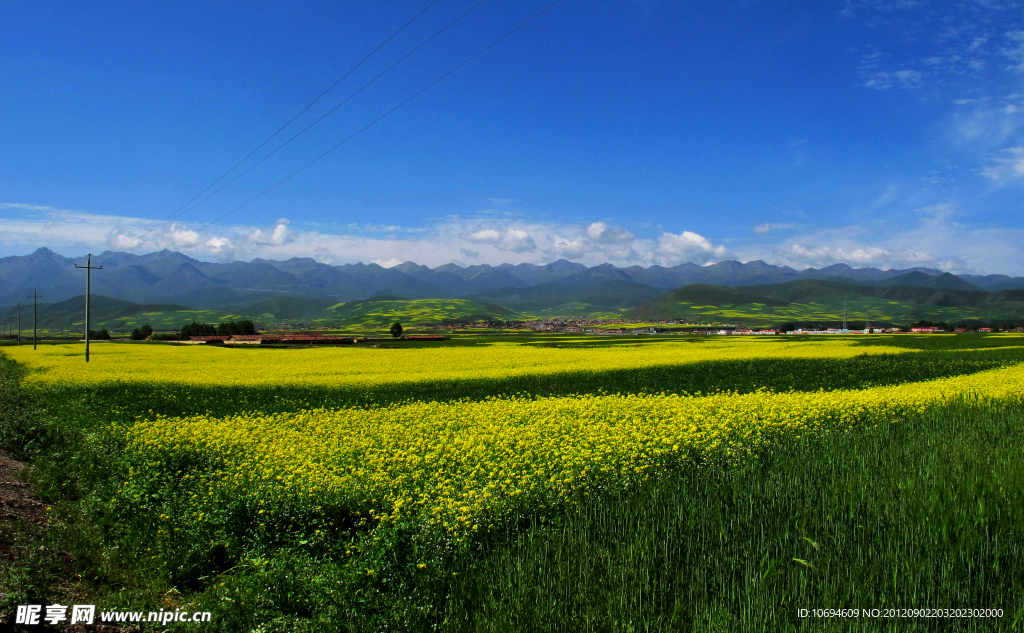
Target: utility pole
(19,323)
(88,289)
(35,297)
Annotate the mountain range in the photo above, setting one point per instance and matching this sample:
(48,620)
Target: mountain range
(168,277)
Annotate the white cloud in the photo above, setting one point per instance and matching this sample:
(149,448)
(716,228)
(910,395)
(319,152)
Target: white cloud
(768,227)
(1014,50)
(182,237)
(478,239)
(988,126)
(936,237)
(513,240)
(688,246)
(386,263)
(572,249)
(517,241)
(901,78)
(280,235)
(218,245)
(1005,165)
(28,207)
(603,233)
(485,235)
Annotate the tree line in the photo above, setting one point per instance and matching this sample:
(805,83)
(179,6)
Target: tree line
(225,328)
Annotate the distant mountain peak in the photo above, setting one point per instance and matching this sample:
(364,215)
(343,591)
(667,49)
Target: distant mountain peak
(171,277)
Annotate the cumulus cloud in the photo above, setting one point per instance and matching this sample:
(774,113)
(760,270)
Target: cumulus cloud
(603,233)
(510,239)
(181,236)
(386,263)
(483,239)
(688,247)
(936,236)
(571,249)
(819,255)
(280,234)
(490,236)
(517,241)
(218,245)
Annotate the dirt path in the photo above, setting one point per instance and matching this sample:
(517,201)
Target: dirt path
(24,524)
(17,502)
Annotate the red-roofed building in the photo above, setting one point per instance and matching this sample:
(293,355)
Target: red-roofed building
(206,340)
(245,339)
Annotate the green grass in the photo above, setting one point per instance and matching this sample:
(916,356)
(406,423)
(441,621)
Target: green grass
(373,313)
(922,512)
(821,301)
(112,314)
(877,310)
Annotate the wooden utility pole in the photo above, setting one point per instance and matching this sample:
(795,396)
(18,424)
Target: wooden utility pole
(35,297)
(19,323)
(88,289)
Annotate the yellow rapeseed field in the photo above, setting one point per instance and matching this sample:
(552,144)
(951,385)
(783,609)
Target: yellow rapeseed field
(465,466)
(338,366)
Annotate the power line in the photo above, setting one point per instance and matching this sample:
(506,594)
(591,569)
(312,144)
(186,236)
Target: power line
(373,122)
(331,111)
(309,105)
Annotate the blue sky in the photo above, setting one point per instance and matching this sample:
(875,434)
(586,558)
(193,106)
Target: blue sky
(875,132)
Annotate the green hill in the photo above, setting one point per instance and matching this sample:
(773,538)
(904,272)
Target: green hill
(384,310)
(585,297)
(810,300)
(114,315)
(290,310)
